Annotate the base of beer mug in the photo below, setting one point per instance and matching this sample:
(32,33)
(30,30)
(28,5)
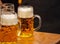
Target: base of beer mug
(8,42)
(26,35)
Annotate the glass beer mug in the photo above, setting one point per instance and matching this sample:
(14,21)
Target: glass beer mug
(9,25)
(26,20)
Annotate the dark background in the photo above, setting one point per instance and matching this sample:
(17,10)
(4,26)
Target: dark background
(49,10)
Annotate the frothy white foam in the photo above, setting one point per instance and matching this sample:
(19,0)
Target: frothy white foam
(12,16)
(26,8)
(9,19)
(25,12)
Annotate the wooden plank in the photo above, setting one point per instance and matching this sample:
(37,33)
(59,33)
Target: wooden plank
(40,38)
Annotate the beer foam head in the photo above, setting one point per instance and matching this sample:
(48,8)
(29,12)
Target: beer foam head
(9,19)
(25,12)
(12,16)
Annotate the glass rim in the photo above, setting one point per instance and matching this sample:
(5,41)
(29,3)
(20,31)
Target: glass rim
(26,6)
(8,4)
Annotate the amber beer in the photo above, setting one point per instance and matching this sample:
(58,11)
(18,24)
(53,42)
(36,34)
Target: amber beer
(26,26)
(8,31)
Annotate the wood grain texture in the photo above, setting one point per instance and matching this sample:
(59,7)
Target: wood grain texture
(40,38)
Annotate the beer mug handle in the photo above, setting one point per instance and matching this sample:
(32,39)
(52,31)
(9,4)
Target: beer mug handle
(39,26)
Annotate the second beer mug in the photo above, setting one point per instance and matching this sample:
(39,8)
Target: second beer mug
(26,20)
(9,25)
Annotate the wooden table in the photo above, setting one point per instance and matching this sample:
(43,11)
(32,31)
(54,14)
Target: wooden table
(40,38)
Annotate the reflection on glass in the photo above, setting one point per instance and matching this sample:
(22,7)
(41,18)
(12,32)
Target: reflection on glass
(19,2)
